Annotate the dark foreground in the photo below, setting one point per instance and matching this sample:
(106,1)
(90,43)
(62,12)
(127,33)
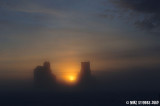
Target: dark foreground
(72,98)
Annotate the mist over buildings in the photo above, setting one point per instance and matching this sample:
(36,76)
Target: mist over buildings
(120,38)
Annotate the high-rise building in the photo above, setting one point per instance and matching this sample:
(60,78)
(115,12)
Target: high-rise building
(85,73)
(85,69)
(43,76)
(86,80)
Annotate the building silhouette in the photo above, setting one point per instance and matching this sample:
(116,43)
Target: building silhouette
(43,76)
(85,72)
(85,77)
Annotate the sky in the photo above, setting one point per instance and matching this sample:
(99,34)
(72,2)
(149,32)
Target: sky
(111,34)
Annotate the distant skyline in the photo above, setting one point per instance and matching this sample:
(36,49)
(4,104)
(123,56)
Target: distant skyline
(111,34)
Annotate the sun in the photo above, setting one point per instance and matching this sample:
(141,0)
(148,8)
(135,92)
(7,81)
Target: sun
(71,78)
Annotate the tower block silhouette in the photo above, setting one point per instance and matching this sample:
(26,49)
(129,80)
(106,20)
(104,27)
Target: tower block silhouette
(85,70)
(85,77)
(43,76)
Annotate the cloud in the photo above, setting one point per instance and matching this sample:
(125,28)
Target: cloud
(31,7)
(144,13)
(133,57)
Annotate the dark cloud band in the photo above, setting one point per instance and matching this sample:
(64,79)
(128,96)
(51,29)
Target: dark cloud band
(146,12)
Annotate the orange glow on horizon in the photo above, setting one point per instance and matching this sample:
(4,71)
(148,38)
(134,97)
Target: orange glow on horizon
(72,78)
(68,72)
(71,74)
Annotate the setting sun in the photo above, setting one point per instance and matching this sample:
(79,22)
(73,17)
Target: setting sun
(69,72)
(71,78)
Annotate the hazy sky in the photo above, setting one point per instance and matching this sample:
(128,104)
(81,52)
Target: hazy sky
(111,34)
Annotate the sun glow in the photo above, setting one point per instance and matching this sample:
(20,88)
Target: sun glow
(68,72)
(71,78)
(71,74)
